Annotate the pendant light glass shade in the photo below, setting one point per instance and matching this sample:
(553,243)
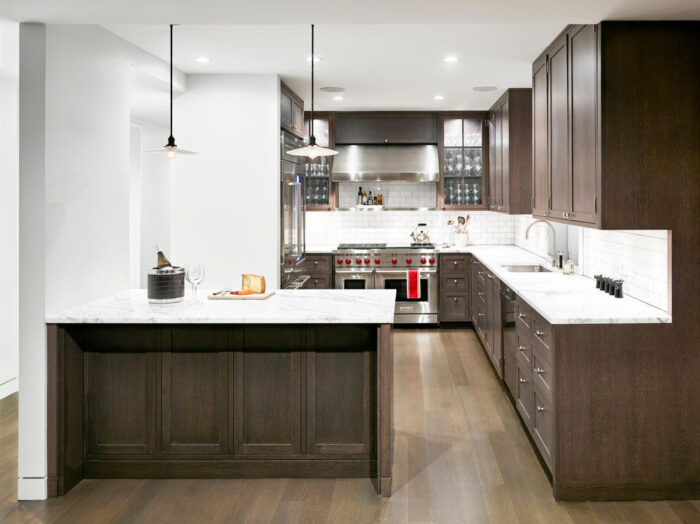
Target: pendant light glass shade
(171,149)
(313,150)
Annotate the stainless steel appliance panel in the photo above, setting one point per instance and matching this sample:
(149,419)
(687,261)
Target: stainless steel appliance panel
(292,213)
(354,279)
(396,279)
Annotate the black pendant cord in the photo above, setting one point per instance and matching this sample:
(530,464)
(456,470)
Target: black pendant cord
(172,139)
(312,138)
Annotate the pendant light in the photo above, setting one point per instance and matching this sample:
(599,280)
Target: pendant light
(171,149)
(312,150)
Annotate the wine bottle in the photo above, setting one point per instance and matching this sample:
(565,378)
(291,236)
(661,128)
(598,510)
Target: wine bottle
(163,261)
(370,201)
(364,198)
(359,196)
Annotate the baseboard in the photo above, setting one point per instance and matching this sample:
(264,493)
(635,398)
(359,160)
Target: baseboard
(8,388)
(223,468)
(576,491)
(32,489)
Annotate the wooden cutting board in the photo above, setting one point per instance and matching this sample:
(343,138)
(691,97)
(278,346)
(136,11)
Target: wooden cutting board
(254,296)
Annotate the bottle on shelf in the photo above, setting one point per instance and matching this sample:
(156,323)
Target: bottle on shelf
(364,198)
(380,199)
(370,201)
(376,200)
(359,196)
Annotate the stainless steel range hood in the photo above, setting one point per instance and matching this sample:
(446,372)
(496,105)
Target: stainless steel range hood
(390,163)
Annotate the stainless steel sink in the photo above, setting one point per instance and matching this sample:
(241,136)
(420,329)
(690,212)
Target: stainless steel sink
(527,269)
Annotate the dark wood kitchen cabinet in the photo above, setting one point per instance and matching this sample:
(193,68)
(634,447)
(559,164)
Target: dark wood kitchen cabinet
(291,111)
(464,158)
(320,270)
(605,133)
(478,297)
(510,152)
(385,127)
(489,315)
(454,288)
(219,401)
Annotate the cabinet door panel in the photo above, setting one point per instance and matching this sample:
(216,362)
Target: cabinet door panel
(543,427)
(540,146)
(121,403)
(584,132)
(339,402)
(524,395)
(455,307)
(285,110)
(298,117)
(505,157)
(559,132)
(494,155)
(267,392)
(194,402)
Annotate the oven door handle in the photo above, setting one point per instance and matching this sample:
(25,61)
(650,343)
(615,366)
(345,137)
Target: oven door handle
(422,272)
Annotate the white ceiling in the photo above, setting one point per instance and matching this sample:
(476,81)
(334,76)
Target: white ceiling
(388,54)
(346,11)
(380,66)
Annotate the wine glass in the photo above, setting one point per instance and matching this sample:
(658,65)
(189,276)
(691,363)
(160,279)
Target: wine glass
(194,273)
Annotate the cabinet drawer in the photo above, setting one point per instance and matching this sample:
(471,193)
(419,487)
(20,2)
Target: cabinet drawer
(523,391)
(456,282)
(523,313)
(543,427)
(318,282)
(317,263)
(455,307)
(542,334)
(524,344)
(454,263)
(542,374)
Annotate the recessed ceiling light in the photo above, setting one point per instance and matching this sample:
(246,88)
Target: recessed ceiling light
(331,89)
(451,58)
(202,59)
(316,59)
(485,88)
(337,97)
(438,97)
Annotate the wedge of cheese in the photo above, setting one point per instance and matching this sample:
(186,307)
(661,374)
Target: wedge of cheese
(255,283)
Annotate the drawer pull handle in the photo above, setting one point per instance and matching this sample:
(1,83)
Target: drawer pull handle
(481,314)
(315,262)
(522,348)
(540,409)
(539,371)
(490,277)
(455,280)
(521,315)
(522,381)
(480,293)
(480,272)
(455,299)
(539,333)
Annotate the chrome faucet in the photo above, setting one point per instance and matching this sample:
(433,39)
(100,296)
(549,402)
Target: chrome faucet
(554,238)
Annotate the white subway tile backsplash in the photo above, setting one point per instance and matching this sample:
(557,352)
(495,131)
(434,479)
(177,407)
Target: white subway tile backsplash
(395,227)
(395,194)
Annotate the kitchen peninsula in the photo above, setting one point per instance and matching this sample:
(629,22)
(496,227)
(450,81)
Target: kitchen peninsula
(298,385)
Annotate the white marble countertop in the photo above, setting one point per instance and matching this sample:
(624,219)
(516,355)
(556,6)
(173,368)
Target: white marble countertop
(305,306)
(564,299)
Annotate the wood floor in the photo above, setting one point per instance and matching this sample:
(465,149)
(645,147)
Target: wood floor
(460,456)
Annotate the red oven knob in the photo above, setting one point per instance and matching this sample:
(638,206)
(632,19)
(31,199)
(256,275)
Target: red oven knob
(377,261)
(289,261)
(366,260)
(340,261)
(432,260)
(358,261)
(348,261)
(408,261)
(422,261)
(393,261)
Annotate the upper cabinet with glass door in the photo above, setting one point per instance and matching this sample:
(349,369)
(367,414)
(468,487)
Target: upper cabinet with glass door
(319,181)
(462,163)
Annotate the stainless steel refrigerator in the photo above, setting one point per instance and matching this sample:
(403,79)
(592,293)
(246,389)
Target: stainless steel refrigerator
(292,215)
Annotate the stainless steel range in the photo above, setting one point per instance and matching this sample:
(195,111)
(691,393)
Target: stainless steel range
(378,266)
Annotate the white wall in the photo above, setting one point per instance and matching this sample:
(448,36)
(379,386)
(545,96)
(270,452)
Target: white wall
(9,206)
(225,207)
(74,195)
(154,195)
